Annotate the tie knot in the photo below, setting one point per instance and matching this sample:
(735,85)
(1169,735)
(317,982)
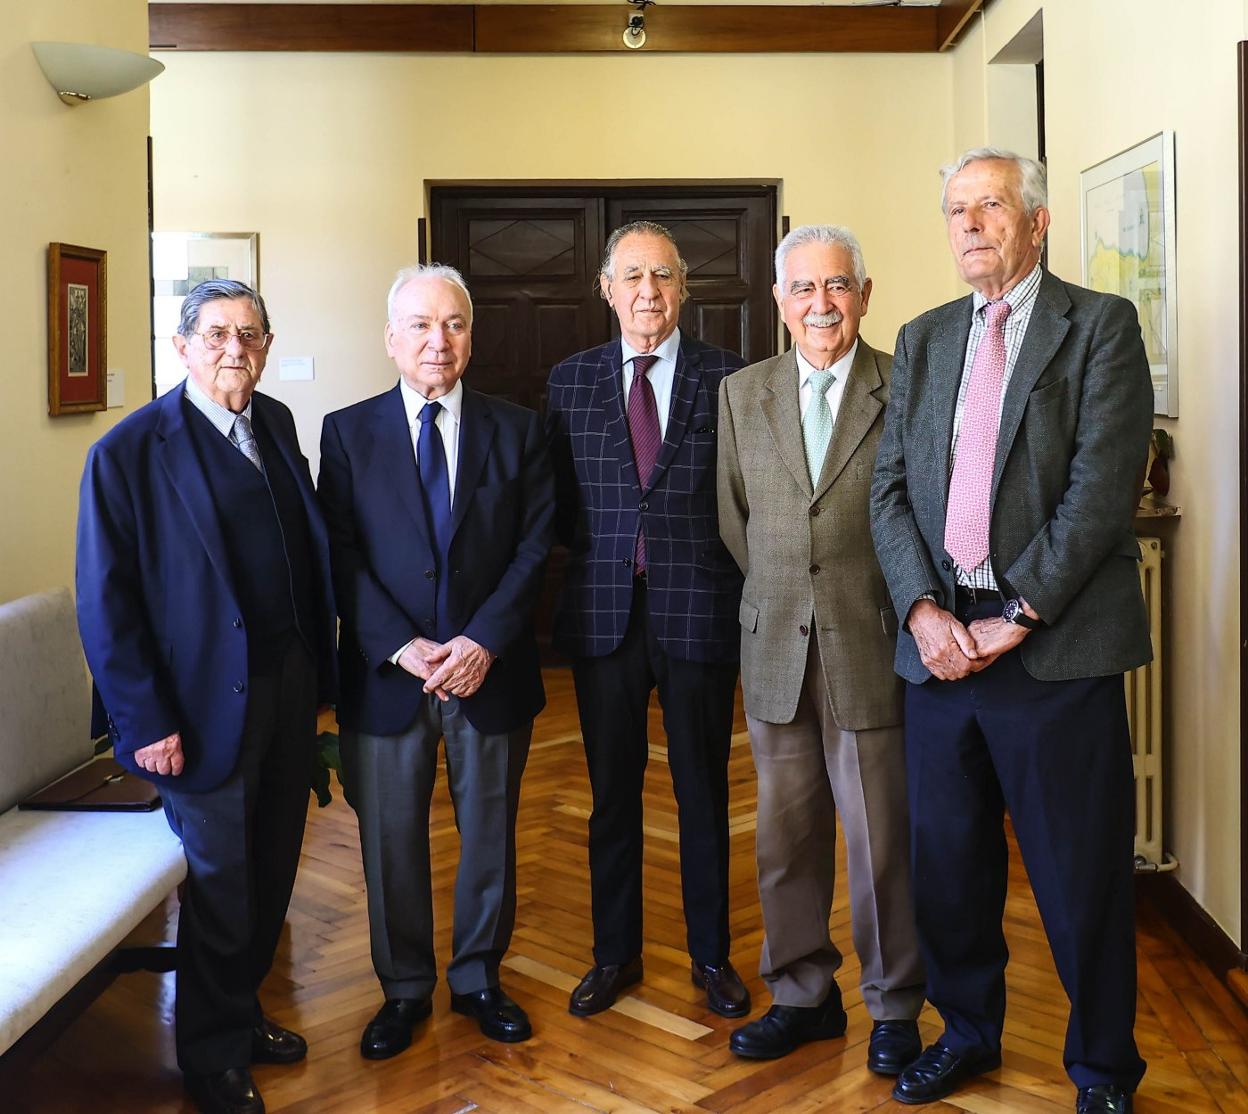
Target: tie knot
(642,364)
(430,412)
(242,427)
(997,312)
(820,381)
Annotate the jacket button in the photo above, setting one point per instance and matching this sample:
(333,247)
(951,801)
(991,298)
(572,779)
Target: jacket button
(627,562)
(946,565)
(643,505)
(239,686)
(814,512)
(814,570)
(429,574)
(237,623)
(804,630)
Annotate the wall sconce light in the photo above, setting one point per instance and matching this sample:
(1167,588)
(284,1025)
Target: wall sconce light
(81,72)
(635,32)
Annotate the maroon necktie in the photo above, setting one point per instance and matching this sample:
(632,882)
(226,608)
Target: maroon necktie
(643,429)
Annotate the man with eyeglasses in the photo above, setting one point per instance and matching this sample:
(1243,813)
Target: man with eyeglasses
(797,442)
(207,617)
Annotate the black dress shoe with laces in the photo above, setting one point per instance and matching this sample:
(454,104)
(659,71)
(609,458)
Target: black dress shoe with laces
(894,1045)
(782,1028)
(600,987)
(940,1071)
(725,992)
(499,1017)
(224,1092)
(390,1031)
(1103,1099)
(271,1044)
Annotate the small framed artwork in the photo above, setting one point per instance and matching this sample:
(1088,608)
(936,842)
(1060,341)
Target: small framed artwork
(180,262)
(1128,225)
(77,329)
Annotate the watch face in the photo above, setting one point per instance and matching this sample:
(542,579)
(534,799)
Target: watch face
(1010,612)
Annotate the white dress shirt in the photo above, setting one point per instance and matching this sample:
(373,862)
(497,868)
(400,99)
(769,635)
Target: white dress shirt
(446,423)
(836,389)
(662,374)
(220,416)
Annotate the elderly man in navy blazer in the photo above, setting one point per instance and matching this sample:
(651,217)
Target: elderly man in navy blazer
(1002,504)
(207,617)
(439,502)
(650,599)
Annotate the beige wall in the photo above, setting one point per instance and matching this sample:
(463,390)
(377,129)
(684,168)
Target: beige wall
(74,175)
(329,156)
(1116,72)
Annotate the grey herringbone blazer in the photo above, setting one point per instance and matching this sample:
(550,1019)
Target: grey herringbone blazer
(806,553)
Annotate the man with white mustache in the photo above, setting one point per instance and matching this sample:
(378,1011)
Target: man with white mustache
(797,444)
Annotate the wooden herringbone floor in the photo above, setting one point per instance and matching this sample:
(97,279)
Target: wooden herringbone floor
(659,1049)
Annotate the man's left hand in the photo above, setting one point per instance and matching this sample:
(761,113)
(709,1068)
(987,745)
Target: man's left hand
(463,669)
(993,637)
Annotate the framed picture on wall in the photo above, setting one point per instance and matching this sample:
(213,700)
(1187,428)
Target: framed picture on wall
(180,262)
(1128,233)
(77,329)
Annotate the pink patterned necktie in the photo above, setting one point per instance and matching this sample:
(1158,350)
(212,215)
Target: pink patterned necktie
(643,429)
(970,487)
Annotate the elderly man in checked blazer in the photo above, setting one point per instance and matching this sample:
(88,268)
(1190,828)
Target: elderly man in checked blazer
(650,599)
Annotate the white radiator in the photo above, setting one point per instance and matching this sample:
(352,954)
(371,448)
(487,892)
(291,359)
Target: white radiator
(1144,714)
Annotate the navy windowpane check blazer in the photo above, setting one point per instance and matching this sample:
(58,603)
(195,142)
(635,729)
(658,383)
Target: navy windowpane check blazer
(694,586)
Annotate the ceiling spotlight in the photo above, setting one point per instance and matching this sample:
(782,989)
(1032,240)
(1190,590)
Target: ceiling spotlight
(635,32)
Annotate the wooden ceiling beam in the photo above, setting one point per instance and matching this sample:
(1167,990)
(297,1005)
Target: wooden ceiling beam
(542,29)
(951,20)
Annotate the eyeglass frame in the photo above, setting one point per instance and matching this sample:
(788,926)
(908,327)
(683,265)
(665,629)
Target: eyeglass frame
(232,334)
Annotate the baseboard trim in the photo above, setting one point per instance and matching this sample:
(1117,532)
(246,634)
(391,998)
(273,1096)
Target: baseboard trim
(1198,929)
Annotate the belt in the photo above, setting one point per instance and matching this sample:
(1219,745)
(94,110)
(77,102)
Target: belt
(969,597)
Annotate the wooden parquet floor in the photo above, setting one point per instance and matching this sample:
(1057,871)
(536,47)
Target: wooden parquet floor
(659,1049)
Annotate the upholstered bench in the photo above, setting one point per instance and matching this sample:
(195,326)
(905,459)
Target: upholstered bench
(73,885)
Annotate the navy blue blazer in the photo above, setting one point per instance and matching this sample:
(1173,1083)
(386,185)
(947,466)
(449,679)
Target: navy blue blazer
(694,585)
(384,567)
(157,608)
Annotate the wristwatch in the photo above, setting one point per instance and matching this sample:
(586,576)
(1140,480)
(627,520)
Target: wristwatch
(1013,612)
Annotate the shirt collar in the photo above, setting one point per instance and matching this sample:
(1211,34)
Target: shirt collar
(221,416)
(839,370)
(668,350)
(1020,294)
(414,402)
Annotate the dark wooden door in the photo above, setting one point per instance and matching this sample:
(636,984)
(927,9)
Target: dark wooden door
(530,256)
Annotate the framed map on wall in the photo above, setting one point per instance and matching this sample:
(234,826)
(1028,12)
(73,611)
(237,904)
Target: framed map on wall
(1128,233)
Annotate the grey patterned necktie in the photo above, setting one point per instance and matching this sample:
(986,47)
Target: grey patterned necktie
(817,423)
(245,440)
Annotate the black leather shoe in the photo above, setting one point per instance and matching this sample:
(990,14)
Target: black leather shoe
(725,992)
(499,1017)
(1102,1099)
(224,1092)
(939,1072)
(600,987)
(782,1028)
(390,1031)
(271,1044)
(894,1045)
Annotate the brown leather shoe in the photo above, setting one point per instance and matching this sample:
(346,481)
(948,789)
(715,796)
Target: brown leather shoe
(725,992)
(600,987)
(224,1092)
(271,1044)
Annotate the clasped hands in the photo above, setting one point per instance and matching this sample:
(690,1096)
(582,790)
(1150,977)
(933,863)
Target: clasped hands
(951,651)
(454,668)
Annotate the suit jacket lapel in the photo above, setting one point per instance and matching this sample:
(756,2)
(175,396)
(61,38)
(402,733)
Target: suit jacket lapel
(778,400)
(688,376)
(857,414)
(946,353)
(1045,332)
(186,473)
(476,432)
(609,402)
(392,463)
(295,463)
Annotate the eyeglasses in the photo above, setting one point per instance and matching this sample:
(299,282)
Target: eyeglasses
(251,339)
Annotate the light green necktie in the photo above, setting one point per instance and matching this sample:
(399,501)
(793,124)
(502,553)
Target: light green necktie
(817,423)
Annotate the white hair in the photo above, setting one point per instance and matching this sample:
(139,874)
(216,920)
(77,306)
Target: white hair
(1032,176)
(426,271)
(822,234)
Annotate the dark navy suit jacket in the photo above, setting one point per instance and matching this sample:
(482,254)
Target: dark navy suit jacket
(694,585)
(385,569)
(158,610)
